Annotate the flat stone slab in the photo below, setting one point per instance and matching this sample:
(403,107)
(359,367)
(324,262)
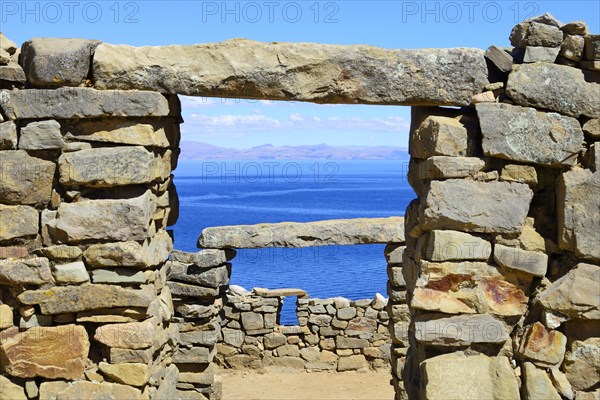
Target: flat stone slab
(78,102)
(305,234)
(527,135)
(569,91)
(283,292)
(287,71)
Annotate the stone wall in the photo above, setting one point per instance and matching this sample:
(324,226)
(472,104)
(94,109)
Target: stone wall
(495,293)
(502,245)
(332,334)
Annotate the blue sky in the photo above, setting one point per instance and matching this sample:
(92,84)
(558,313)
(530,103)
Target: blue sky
(247,123)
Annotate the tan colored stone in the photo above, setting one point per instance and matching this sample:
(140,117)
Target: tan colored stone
(66,299)
(48,352)
(60,252)
(350,363)
(6,316)
(11,391)
(30,271)
(461,376)
(71,273)
(132,374)
(441,330)
(18,221)
(8,135)
(561,383)
(530,262)
(41,135)
(149,133)
(519,173)
(582,364)
(439,136)
(25,179)
(575,295)
(543,347)
(538,385)
(132,335)
(435,300)
(60,390)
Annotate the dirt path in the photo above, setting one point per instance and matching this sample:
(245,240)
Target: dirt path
(239,385)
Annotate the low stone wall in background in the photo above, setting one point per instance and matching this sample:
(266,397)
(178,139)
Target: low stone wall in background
(334,334)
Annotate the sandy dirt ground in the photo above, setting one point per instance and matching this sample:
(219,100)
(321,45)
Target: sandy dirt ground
(238,385)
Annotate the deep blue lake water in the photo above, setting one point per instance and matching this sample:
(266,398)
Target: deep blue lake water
(213,193)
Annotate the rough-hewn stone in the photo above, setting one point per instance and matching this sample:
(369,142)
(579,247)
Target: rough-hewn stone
(71,273)
(66,103)
(592,47)
(85,220)
(8,135)
(461,376)
(88,390)
(441,330)
(532,33)
(527,135)
(18,221)
(295,234)
(537,384)
(133,374)
(49,352)
(11,391)
(286,71)
(530,262)
(500,58)
(477,206)
(582,363)
(439,136)
(50,62)
(25,179)
(41,135)
(65,299)
(575,295)
(454,245)
(443,167)
(560,88)
(111,166)
(204,259)
(578,213)
(31,271)
(543,347)
(150,133)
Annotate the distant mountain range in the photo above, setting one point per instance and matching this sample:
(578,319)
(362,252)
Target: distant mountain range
(204,151)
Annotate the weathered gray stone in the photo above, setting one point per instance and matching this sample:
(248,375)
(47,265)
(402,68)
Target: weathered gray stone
(70,273)
(527,135)
(194,355)
(582,364)
(500,58)
(49,352)
(530,262)
(280,292)
(578,191)
(67,103)
(60,252)
(153,251)
(592,47)
(568,90)
(12,73)
(592,127)
(119,275)
(540,54)
(295,234)
(8,135)
(461,376)
(66,299)
(18,221)
(25,179)
(442,330)
(537,384)
(53,62)
(41,135)
(31,271)
(454,245)
(575,295)
(85,220)
(285,71)
(439,136)
(7,45)
(477,206)
(205,258)
(252,320)
(184,290)
(572,47)
(111,166)
(274,340)
(343,342)
(546,19)
(214,277)
(575,28)
(531,33)
(149,133)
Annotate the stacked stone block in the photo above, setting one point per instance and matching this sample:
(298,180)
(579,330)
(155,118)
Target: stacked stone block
(334,334)
(501,261)
(197,282)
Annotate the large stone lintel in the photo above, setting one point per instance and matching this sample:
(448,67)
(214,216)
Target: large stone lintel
(296,71)
(307,234)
